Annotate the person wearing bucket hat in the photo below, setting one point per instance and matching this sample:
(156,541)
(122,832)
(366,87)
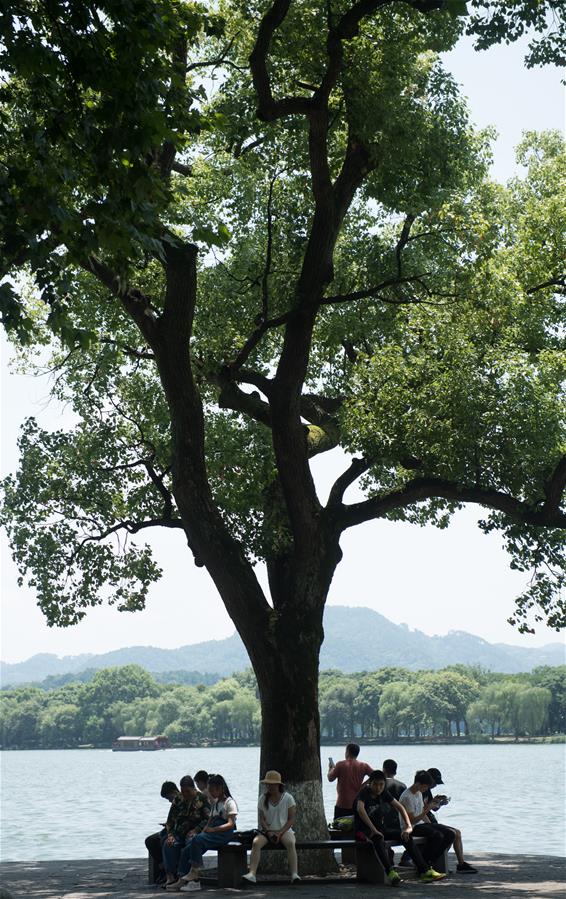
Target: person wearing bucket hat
(276,811)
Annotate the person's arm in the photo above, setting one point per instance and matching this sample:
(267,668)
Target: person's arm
(333,771)
(170,823)
(230,825)
(437,801)
(230,810)
(408,829)
(414,819)
(204,813)
(291,811)
(361,810)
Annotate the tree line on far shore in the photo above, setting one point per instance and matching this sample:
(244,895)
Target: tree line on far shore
(390,703)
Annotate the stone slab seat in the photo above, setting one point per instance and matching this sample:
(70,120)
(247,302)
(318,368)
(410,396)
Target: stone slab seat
(232,859)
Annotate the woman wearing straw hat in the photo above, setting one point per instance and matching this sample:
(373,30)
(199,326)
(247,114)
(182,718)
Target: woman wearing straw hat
(276,817)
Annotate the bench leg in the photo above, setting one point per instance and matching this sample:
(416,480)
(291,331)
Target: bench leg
(369,868)
(349,855)
(231,866)
(440,864)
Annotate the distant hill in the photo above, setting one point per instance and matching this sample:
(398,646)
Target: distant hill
(356,639)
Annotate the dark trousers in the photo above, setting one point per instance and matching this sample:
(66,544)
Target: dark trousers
(154,845)
(172,853)
(438,839)
(411,848)
(378,842)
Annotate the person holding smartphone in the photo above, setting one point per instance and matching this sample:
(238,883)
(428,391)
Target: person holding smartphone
(370,811)
(436,802)
(350,774)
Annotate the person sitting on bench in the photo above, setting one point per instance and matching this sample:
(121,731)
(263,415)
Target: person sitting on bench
(201,780)
(370,808)
(219,830)
(154,842)
(276,809)
(438,801)
(438,840)
(188,815)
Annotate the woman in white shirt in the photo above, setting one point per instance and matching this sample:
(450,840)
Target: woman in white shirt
(276,810)
(218,831)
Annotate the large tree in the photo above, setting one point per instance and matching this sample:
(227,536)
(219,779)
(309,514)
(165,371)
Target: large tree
(258,234)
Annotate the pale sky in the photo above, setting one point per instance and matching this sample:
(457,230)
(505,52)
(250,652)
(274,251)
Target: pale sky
(436,581)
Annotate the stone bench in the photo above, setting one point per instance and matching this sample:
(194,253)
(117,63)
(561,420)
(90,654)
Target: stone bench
(232,859)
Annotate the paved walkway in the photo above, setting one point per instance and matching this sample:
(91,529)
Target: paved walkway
(501,876)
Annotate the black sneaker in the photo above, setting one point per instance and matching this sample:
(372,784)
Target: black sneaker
(465,868)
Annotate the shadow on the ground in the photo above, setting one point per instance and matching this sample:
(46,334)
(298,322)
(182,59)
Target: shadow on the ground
(499,876)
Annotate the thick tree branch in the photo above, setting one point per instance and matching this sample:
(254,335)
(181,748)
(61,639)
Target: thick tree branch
(357,467)
(182,169)
(319,409)
(180,293)
(270,109)
(554,282)
(134,301)
(402,242)
(422,489)
(256,336)
(555,487)
(157,481)
(251,404)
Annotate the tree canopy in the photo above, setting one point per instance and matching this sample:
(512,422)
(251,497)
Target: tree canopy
(435,349)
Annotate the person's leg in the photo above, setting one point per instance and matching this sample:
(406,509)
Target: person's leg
(458,845)
(456,839)
(198,846)
(171,854)
(411,849)
(257,845)
(434,845)
(153,846)
(191,856)
(288,840)
(447,833)
(380,850)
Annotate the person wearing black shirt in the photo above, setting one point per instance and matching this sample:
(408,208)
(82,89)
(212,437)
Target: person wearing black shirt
(370,809)
(154,842)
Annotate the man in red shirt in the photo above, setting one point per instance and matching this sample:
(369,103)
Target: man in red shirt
(350,775)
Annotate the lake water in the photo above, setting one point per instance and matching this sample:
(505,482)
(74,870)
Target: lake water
(73,804)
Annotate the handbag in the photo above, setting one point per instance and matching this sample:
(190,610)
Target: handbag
(246,837)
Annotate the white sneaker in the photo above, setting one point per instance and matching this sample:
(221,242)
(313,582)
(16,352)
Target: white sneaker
(251,878)
(295,878)
(191,886)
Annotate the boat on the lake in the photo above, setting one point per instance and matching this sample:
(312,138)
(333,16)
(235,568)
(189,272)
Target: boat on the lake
(137,744)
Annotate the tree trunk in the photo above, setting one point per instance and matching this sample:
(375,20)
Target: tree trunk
(290,738)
